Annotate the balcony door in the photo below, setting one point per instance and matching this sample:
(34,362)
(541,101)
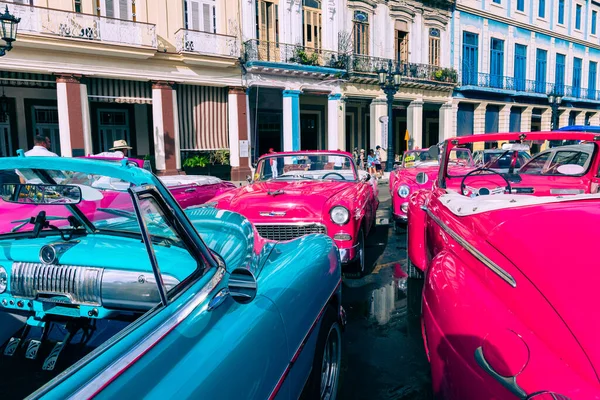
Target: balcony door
(520,67)
(470,66)
(497,63)
(401,44)
(267,30)
(541,61)
(311,20)
(120,9)
(200,15)
(559,81)
(576,77)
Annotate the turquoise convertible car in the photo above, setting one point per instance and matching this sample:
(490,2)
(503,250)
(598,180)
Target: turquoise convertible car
(108,289)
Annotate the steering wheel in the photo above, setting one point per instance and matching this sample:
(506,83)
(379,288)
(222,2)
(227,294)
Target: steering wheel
(334,173)
(478,191)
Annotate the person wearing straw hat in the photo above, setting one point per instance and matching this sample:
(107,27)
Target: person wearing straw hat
(120,146)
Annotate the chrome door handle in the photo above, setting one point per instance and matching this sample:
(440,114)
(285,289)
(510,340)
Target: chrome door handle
(190,190)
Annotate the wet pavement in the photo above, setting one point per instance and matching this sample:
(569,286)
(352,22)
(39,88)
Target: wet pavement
(384,357)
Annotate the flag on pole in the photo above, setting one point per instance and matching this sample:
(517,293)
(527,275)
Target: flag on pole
(406,136)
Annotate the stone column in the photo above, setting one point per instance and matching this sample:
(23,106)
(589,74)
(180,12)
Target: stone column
(414,122)
(335,122)
(447,115)
(239,145)
(526,119)
(378,109)
(479,118)
(73,116)
(546,119)
(291,120)
(595,119)
(504,118)
(563,117)
(166,129)
(580,118)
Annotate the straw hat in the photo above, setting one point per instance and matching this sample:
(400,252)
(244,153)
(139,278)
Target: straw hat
(120,144)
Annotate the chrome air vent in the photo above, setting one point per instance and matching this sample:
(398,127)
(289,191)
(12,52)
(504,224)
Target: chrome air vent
(56,283)
(282,232)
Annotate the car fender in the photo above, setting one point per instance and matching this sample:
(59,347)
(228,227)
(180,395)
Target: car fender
(417,223)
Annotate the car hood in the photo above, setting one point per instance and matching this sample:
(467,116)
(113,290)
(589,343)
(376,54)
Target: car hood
(554,247)
(409,175)
(297,199)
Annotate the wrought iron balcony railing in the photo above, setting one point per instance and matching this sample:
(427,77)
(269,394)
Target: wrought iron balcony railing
(367,65)
(260,50)
(48,21)
(206,43)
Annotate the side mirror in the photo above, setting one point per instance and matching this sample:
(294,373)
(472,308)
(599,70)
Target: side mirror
(367,178)
(248,178)
(434,152)
(242,285)
(40,194)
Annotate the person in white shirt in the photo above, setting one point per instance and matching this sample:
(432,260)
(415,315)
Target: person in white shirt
(41,146)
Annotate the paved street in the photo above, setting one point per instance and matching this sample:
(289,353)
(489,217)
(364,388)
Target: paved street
(384,358)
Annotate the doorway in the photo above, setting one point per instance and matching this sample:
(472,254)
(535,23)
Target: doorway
(45,123)
(113,124)
(309,131)
(7,146)
(269,132)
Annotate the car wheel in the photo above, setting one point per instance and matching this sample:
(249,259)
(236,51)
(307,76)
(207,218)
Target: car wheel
(323,382)
(360,259)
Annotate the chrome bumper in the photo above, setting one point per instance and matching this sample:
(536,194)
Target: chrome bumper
(345,254)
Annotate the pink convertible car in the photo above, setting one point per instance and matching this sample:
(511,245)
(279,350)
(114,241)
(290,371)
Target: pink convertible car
(299,193)
(503,316)
(418,171)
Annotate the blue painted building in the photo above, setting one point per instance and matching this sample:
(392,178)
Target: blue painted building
(515,56)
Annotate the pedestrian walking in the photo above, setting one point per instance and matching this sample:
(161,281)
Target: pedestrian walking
(273,161)
(362,159)
(41,147)
(371,162)
(378,171)
(356,156)
(383,159)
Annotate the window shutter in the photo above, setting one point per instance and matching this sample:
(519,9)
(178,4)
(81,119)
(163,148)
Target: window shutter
(206,15)
(124,9)
(195,16)
(110,8)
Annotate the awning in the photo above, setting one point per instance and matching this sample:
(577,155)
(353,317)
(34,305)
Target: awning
(28,80)
(119,91)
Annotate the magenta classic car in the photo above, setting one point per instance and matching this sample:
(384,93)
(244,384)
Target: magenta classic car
(188,190)
(299,193)
(418,171)
(501,318)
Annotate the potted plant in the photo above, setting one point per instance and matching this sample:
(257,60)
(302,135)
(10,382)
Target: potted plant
(212,163)
(196,165)
(219,164)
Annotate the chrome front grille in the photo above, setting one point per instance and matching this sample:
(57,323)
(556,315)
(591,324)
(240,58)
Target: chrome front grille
(284,232)
(81,285)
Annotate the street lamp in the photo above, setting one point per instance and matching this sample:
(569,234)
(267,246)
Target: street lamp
(554,100)
(8,30)
(389,80)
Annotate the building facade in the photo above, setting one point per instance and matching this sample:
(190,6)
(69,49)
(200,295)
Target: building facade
(161,74)
(516,56)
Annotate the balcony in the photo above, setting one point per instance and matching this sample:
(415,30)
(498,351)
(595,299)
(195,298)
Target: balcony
(87,27)
(206,43)
(292,58)
(364,68)
(525,87)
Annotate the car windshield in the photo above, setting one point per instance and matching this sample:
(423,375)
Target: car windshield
(105,206)
(500,159)
(554,162)
(422,158)
(303,166)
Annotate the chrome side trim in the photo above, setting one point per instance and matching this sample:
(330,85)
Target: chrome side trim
(132,290)
(474,252)
(115,369)
(509,383)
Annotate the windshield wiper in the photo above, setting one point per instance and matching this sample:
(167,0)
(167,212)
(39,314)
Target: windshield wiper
(31,220)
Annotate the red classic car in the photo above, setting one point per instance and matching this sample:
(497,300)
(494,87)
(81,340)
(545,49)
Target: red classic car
(188,190)
(418,171)
(500,317)
(299,193)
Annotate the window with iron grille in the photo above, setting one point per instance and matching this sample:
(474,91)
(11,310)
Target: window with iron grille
(434,47)
(361,32)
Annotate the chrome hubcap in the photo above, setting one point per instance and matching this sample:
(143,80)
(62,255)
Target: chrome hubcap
(361,251)
(330,368)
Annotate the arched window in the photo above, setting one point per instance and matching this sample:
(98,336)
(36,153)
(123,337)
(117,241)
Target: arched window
(361,32)
(434,46)
(311,17)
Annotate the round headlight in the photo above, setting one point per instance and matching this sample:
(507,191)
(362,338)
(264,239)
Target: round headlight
(340,215)
(3,280)
(403,191)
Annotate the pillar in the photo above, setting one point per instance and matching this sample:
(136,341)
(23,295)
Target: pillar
(526,119)
(479,118)
(166,129)
(73,116)
(546,119)
(291,120)
(378,109)
(414,123)
(504,118)
(595,119)
(563,117)
(239,145)
(335,122)
(447,114)
(580,118)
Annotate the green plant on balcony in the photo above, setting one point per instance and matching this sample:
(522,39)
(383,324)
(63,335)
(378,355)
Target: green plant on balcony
(302,57)
(219,157)
(445,75)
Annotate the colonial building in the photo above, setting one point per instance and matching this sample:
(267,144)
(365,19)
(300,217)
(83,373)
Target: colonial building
(311,69)
(161,74)
(517,56)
